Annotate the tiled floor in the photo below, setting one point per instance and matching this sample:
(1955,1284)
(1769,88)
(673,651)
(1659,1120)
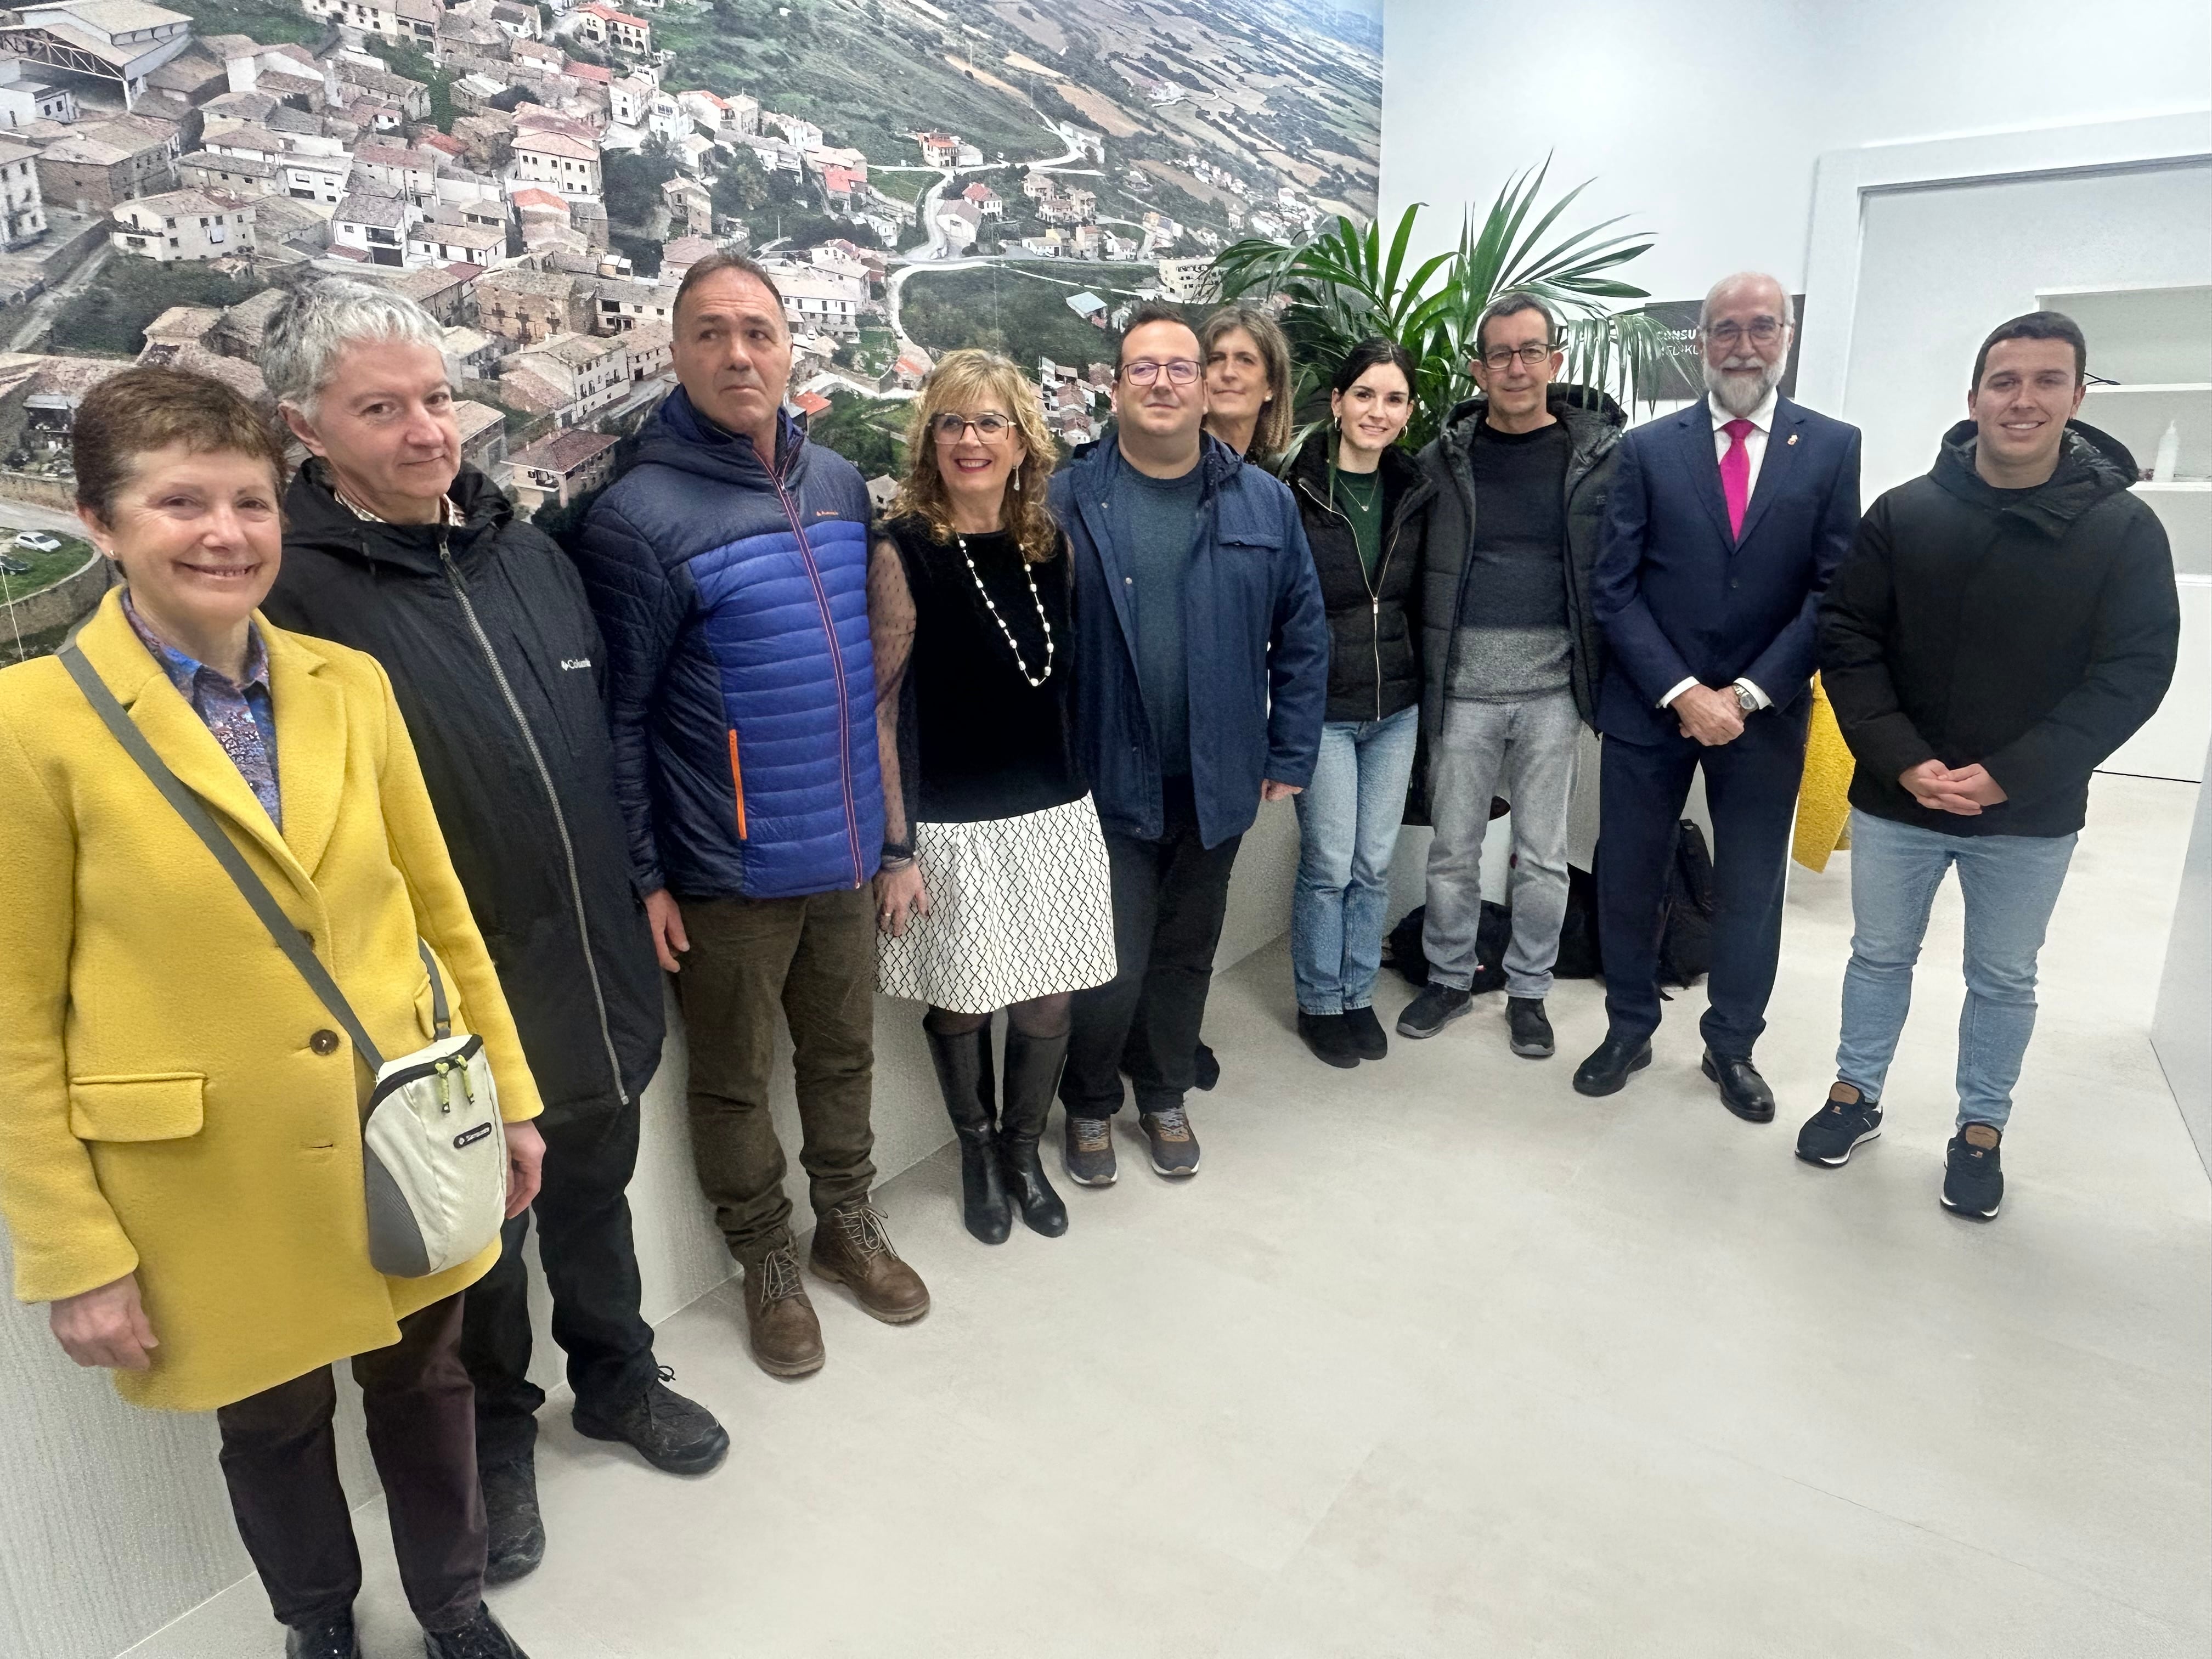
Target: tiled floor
(1437,1358)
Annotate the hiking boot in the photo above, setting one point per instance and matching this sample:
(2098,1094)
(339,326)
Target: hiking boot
(1831,1134)
(1529,1029)
(1325,1034)
(1606,1070)
(514,1531)
(1368,1041)
(852,1248)
(1436,1006)
(1175,1146)
(326,1638)
(480,1638)
(1973,1179)
(787,1337)
(1088,1151)
(675,1435)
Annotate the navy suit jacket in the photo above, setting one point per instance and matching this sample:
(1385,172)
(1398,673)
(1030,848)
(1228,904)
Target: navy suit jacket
(1679,599)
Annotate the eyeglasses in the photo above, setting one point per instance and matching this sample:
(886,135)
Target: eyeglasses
(1180,371)
(1533,355)
(1763,331)
(949,427)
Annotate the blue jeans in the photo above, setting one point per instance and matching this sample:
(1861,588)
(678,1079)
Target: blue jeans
(2011,884)
(1348,819)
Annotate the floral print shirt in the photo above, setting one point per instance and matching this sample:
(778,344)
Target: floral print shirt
(242,718)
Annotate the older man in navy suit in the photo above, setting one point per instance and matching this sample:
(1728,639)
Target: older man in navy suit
(1725,524)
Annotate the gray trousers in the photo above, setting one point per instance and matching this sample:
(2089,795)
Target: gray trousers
(1524,751)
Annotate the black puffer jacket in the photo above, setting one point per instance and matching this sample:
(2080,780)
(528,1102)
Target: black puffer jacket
(496,663)
(2031,634)
(1374,655)
(1594,423)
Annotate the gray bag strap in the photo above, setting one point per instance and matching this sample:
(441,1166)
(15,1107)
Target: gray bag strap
(289,939)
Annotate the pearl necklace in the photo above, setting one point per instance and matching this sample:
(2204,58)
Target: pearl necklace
(992,605)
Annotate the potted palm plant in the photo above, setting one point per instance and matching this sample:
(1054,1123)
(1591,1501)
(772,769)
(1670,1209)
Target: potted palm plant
(1344,285)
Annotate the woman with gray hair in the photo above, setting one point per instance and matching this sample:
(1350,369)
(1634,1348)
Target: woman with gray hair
(394,545)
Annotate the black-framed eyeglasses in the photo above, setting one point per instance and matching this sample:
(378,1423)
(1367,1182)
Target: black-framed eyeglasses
(1180,371)
(1533,355)
(950,428)
(1761,330)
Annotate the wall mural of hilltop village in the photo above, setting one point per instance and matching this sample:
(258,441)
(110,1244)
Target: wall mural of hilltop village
(540,173)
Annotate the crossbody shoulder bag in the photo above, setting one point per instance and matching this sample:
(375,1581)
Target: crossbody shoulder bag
(434,1157)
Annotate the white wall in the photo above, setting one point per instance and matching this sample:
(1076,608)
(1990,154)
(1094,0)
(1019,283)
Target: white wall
(1700,120)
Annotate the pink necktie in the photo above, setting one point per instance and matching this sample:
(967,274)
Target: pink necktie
(1735,474)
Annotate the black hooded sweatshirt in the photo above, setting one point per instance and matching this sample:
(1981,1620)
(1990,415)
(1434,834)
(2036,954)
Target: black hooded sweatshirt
(2031,631)
(497,666)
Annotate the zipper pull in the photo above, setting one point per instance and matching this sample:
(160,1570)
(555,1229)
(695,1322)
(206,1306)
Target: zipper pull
(440,1087)
(468,1088)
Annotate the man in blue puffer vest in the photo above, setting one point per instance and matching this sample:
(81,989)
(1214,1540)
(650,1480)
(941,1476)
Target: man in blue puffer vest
(1201,654)
(729,570)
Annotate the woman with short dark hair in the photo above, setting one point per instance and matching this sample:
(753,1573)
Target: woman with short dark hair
(181,1159)
(995,891)
(1361,495)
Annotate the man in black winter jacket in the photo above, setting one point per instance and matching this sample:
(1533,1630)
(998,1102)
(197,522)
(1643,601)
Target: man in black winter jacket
(391,545)
(1999,627)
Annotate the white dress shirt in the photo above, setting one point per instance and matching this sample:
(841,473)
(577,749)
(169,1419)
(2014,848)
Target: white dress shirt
(1755,448)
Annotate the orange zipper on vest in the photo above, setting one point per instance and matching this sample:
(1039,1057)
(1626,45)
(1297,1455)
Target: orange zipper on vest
(737,782)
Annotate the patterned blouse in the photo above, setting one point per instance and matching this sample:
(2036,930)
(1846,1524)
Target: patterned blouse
(242,717)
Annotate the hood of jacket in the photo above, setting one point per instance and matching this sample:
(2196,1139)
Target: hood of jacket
(2092,465)
(1091,465)
(679,436)
(1593,420)
(316,519)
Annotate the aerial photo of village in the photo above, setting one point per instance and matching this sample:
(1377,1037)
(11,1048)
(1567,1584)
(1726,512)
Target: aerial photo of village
(1010,173)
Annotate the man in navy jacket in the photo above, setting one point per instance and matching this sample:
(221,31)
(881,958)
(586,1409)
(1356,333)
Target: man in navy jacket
(729,570)
(1201,653)
(1725,524)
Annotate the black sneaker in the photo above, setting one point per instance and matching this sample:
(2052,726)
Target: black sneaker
(1368,1041)
(515,1532)
(1173,1143)
(1831,1134)
(1973,1180)
(326,1638)
(673,1434)
(1438,1006)
(480,1638)
(1529,1029)
(1326,1035)
(1089,1151)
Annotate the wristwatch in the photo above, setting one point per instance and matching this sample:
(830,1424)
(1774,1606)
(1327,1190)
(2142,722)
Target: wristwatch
(1745,700)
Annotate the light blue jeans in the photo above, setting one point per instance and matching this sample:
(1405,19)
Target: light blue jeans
(1348,819)
(2011,884)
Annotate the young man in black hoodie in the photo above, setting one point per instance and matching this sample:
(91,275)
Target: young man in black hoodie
(1999,627)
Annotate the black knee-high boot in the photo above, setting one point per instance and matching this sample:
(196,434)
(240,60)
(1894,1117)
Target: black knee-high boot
(1032,1073)
(963,1073)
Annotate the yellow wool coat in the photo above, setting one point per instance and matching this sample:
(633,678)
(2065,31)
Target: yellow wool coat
(168,1109)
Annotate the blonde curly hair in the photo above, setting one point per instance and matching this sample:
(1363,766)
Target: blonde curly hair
(963,380)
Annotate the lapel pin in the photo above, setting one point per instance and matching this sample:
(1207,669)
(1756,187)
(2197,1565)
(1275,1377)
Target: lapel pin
(1793,438)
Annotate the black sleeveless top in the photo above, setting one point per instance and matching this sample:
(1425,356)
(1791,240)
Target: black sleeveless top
(977,740)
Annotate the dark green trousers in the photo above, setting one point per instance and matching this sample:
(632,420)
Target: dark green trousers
(814,959)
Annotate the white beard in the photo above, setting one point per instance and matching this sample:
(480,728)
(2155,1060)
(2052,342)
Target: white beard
(1738,393)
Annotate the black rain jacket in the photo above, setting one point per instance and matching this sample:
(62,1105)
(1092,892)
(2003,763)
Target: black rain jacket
(497,665)
(2031,634)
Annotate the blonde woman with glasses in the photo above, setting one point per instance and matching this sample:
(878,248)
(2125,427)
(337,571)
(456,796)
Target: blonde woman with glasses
(995,891)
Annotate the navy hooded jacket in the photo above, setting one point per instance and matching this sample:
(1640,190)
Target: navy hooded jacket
(1257,644)
(741,684)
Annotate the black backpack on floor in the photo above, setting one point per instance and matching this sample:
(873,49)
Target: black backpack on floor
(1685,935)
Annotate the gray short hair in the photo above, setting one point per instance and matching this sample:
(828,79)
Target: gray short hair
(1788,305)
(316,323)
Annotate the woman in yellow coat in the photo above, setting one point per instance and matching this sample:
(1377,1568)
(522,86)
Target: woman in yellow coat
(180,1143)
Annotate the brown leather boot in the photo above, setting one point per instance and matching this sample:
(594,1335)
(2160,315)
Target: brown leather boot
(852,1249)
(787,1338)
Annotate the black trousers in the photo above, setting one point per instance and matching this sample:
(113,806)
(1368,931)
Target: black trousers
(280,1461)
(1170,898)
(584,1243)
(1751,785)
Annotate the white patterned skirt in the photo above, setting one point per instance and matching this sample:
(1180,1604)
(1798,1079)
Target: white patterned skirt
(1018,908)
